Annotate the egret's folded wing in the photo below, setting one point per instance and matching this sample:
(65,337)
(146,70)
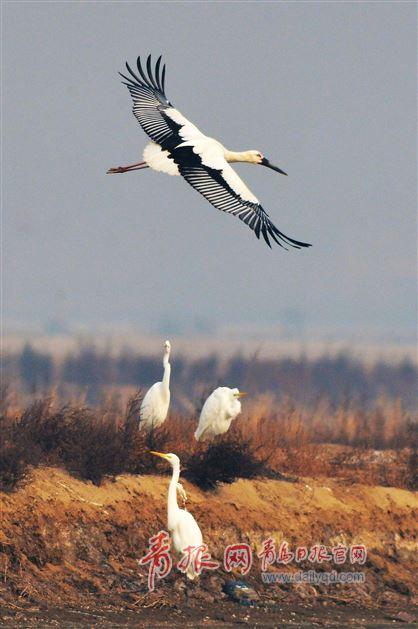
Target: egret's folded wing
(209,412)
(226,191)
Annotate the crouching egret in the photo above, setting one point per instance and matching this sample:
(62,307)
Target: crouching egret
(179,148)
(183,527)
(154,407)
(221,407)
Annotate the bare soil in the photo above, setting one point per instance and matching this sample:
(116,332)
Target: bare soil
(69,553)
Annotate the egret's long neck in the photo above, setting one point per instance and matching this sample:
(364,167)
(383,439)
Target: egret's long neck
(167,372)
(239,156)
(172,506)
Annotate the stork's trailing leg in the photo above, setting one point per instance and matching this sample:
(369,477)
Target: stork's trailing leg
(124,169)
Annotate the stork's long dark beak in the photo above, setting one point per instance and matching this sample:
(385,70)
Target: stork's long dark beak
(265,162)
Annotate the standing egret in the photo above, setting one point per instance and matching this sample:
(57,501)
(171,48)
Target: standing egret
(221,407)
(154,407)
(179,148)
(183,527)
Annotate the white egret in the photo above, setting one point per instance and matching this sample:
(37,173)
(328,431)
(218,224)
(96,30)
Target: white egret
(181,524)
(154,407)
(221,407)
(179,148)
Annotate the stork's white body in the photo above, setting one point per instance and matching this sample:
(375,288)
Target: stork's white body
(178,147)
(158,159)
(210,151)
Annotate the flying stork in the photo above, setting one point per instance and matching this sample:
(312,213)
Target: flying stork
(177,147)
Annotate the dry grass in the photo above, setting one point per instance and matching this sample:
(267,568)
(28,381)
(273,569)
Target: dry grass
(378,445)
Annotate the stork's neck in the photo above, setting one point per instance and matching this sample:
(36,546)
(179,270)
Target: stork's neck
(240,156)
(172,506)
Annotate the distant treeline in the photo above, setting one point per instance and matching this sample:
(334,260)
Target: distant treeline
(338,379)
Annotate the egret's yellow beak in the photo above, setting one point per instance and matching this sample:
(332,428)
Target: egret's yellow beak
(241,394)
(160,454)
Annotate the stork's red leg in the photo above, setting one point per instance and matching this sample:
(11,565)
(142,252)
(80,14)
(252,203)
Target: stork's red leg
(124,169)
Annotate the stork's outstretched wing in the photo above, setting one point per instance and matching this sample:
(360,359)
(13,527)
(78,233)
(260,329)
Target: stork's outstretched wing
(151,107)
(226,191)
(149,99)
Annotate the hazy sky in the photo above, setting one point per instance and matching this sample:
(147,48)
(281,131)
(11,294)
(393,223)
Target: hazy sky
(325,90)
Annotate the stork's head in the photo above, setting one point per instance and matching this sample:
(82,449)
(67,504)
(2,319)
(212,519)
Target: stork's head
(251,157)
(167,347)
(258,158)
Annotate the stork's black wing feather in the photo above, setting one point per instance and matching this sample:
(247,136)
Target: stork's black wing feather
(150,101)
(213,185)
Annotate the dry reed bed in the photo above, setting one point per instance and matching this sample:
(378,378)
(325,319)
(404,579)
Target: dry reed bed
(377,445)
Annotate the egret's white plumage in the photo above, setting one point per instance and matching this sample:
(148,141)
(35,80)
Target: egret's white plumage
(221,407)
(183,527)
(154,407)
(201,160)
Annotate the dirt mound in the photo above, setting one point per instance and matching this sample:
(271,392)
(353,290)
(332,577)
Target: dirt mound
(69,543)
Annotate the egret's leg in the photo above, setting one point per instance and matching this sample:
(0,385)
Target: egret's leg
(124,169)
(150,438)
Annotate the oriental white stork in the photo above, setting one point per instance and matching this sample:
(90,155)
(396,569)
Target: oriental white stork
(177,147)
